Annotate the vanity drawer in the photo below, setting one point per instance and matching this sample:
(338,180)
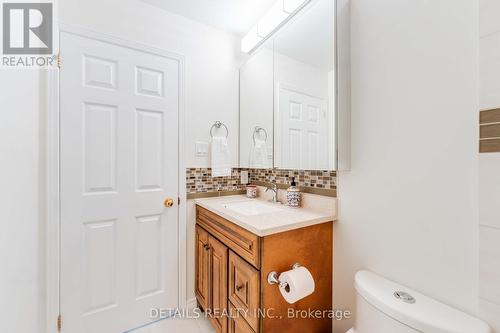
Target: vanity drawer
(241,241)
(244,289)
(237,323)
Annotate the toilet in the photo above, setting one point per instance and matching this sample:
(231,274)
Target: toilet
(383,306)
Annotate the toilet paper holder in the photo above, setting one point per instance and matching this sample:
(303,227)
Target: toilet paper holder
(272,278)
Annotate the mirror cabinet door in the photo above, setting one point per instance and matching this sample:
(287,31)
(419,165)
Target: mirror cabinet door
(287,95)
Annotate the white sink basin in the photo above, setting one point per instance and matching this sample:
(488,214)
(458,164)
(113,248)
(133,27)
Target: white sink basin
(250,208)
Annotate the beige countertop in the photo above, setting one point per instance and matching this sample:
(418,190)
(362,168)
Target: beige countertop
(283,219)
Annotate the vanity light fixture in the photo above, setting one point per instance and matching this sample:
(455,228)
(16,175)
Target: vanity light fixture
(272,19)
(290,6)
(277,15)
(251,40)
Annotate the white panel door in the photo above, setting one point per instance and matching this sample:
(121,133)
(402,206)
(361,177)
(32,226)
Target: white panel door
(303,127)
(119,162)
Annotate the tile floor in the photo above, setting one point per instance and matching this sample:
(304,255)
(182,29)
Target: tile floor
(200,325)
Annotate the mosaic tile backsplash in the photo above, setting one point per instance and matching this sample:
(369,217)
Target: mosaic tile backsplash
(200,179)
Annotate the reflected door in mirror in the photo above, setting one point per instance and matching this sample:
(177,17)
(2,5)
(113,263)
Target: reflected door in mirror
(304,129)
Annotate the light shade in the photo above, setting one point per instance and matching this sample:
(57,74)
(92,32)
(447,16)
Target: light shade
(272,19)
(279,13)
(291,6)
(250,40)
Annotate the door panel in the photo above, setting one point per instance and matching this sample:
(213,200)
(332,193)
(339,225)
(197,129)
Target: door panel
(219,263)
(149,145)
(119,161)
(100,147)
(99,270)
(148,256)
(202,267)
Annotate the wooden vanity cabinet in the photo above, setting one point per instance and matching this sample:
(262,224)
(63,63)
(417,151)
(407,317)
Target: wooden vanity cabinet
(232,265)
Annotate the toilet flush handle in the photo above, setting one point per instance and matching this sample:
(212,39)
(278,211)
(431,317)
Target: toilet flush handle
(405,297)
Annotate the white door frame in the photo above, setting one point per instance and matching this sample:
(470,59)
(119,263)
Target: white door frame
(52,174)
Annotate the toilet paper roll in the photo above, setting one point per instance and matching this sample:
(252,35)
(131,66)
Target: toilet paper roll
(296,284)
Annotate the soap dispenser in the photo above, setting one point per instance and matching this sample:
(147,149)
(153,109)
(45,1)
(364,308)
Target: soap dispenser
(293,195)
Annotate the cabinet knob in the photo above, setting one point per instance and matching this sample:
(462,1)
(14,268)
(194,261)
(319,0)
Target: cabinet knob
(238,288)
(206,247)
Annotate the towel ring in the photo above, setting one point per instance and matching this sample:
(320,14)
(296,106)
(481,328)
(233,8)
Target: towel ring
(257,130)
(218,125)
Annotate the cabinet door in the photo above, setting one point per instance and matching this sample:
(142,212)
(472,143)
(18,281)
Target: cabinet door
(202,262)
(218,253)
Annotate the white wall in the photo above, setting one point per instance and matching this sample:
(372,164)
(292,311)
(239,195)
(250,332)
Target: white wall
(489,166)
(408,208)
(212,60)
(21,235)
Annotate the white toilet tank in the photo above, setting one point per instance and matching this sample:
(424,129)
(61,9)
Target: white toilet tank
(383,306)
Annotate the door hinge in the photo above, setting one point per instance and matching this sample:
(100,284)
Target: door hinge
(178,200)
(59,323)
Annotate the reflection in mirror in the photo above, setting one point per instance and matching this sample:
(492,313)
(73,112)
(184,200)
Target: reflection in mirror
(256,110)
(304,86)
(287,95)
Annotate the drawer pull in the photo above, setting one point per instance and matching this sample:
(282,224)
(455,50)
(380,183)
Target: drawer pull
(206,247)
(238,288)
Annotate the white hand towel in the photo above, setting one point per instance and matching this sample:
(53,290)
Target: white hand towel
(258,154)
(221,159)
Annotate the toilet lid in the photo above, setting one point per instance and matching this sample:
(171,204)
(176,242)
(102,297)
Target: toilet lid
(424,314)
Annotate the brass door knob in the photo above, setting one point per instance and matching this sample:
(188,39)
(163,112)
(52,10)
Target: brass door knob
(169,202)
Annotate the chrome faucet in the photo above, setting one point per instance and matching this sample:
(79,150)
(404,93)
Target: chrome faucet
(274,188)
